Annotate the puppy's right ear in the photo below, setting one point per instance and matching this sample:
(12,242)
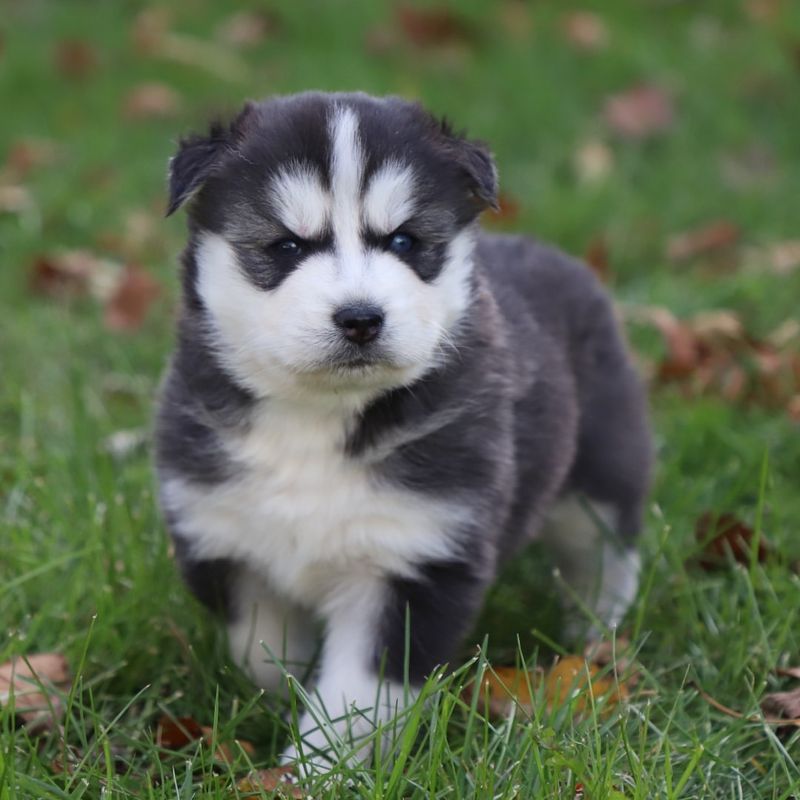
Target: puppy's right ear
(198,156)
(191,166)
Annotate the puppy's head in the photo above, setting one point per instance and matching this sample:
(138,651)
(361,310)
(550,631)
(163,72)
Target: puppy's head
(331,240)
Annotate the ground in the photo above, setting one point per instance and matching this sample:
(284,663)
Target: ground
(84,563)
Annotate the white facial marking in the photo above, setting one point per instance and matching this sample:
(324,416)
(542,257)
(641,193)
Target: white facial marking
(282,342)
(347,169)
(389,199)
(302,202)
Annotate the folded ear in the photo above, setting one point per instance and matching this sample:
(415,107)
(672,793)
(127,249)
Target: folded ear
(198,156)
(477,161)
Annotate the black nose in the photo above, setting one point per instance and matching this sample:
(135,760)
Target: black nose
(360,324)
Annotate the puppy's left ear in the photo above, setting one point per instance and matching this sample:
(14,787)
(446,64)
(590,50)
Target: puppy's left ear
(478,161)
(197,157)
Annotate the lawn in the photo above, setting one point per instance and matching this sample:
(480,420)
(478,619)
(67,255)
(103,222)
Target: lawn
(84,562)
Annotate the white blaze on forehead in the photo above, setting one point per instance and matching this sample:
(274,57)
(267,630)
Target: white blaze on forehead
(388,201)
(301,201)
(347,170)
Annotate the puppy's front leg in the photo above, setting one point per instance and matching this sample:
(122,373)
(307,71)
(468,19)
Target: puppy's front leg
(350,700)
(364,661)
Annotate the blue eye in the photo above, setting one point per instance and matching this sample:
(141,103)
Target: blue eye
(287,247)
(401,243)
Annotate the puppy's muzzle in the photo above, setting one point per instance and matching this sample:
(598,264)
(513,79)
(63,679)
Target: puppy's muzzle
(360,324)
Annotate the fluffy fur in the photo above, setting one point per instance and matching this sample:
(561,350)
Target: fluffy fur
(321,486)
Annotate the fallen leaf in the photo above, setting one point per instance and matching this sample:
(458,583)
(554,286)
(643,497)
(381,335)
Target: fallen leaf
(682,347)
(28,154)
(572,678)
(585,31)
(783,705)
(431,27)
(128,305)
(593,161)
(788,672)
(505,687)
(777,721)
(176,733)
(597,256)
(247,28)
(15,200)
(640,112)
(784,257)
(37,682)
(722,534)
(76,58)
(151,100)
(278,779)
(71,273)
(715,236)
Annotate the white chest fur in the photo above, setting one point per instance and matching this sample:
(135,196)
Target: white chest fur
(304,514)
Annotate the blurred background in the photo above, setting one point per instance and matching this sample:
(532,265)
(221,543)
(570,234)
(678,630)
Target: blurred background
(659,140)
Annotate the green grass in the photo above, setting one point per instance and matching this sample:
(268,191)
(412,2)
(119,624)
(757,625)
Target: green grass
(84,567)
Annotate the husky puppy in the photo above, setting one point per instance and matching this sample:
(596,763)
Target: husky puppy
(372,403)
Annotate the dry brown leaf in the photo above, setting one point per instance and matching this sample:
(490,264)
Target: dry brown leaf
(593,161)
(715,236)
(432,27)
(598,257)
(682,348)
(788,672)
(15,199)
(504,687)
(585,30)
(784,257)
(783,705)
(640,112)
(572,678)
(28,154)
(71,273)
(151,100)
(724,534)
(277,780)
(247,28)
(128,305)
(76,58)
(36,682)
(176,733)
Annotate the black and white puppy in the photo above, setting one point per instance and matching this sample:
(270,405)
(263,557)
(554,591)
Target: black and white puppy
(372,403)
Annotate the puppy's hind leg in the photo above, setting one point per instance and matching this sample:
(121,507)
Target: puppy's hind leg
(600,569)
(596,526)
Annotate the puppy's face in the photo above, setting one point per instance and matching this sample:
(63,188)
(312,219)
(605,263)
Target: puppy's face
(331,240)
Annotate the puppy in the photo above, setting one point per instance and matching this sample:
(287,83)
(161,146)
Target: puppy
(372,403)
